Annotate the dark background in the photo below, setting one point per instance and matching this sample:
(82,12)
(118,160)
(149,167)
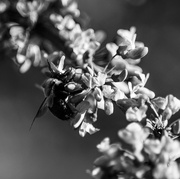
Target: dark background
(52,150)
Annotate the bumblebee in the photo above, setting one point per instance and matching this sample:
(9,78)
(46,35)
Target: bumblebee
(58,89)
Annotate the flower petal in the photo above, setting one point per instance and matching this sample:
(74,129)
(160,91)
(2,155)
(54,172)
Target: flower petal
(83,106)
(77,120)
(87,128)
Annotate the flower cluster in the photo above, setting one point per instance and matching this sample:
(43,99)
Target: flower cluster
(83,42)
(126,51)
(31,9)
(75,94)
(136,155)
(27,50)
(44,33)
(23,31)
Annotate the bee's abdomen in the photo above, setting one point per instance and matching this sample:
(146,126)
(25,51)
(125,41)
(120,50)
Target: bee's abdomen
(61,110)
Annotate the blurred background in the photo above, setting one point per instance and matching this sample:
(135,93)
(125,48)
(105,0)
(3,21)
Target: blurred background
(52,149)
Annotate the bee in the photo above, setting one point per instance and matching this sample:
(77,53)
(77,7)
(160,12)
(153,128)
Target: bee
(58,88)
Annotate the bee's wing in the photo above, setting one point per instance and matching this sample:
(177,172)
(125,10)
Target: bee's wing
(41,111)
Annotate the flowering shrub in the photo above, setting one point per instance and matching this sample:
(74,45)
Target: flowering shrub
(79,83)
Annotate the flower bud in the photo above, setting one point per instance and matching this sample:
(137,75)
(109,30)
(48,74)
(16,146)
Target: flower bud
(20,58)
(25,66)
(98,94)
(108,107)
(146,91)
